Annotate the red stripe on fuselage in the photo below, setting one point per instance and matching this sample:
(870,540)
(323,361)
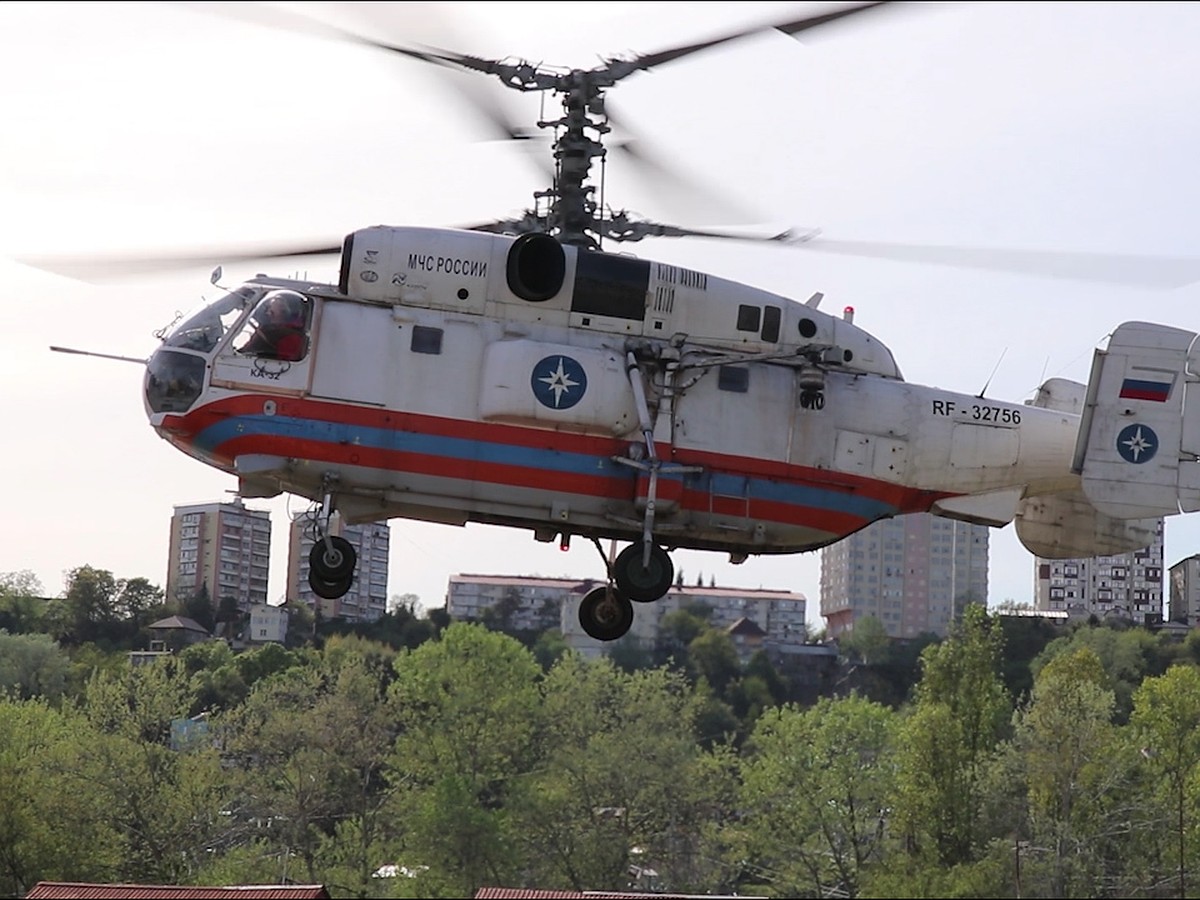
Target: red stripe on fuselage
(184,429)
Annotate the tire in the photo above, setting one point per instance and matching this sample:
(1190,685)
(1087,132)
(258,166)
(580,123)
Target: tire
(604,614)
(643,584)
(334,565)
(329,590)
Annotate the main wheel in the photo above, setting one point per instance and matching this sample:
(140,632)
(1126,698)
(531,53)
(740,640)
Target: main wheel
(330,590)
(604,614)
(643,583)
(333,564)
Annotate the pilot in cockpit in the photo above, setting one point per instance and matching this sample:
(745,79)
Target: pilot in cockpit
(279,327)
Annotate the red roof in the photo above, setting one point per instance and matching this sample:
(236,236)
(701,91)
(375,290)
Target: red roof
(67,890)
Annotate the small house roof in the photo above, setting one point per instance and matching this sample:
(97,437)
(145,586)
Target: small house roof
(178,623)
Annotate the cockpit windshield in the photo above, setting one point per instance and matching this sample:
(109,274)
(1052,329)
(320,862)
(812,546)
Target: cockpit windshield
(203,328)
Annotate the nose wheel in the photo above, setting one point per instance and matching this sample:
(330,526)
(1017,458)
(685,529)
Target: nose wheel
(331,567)
(332,559)
(605,614)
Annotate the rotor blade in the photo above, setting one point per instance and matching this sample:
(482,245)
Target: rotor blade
(530,222)
(425,19)
(112,267)
(791,27)
(622,227)
(683,198)
(1108,268)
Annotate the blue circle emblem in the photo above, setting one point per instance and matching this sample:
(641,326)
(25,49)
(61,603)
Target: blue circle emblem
(558,382)
(1137,443)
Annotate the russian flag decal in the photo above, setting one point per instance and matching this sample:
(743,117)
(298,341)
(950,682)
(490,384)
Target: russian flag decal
(1139,389)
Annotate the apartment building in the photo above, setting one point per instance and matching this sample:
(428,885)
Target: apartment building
(367,598)
(1128,585)
(913,573)
(221,549)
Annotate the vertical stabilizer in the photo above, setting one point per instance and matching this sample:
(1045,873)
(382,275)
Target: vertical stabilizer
(1137,439)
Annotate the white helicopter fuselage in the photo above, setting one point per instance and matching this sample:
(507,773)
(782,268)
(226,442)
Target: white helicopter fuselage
(431,389)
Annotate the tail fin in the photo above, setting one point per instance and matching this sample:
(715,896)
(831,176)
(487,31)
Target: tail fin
(1139,438)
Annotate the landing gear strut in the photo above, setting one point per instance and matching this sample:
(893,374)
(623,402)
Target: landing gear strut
(643,571)
(332,559)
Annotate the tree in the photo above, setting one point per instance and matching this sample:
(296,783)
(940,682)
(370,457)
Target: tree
(962,711)
(466,706)
(21,606)
(815,787)
(867,642)
(32,665)
(165,805)
(713,657)
(586,811)
(199,607)
(1128,655)
(1166,717)
(135,597)
(1077,786)
(51,823)
(87,610)
(676,630)
(312,743)
(97,607)
(550,647)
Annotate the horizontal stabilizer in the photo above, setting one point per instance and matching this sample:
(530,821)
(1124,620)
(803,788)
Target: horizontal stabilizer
(1138,437)
(1067,526)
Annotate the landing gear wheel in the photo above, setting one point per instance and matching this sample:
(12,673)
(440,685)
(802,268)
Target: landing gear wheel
(329,590)
(604,614)
(643,583)
(332,565)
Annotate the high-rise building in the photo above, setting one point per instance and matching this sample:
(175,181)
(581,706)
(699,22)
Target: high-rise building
(914,573)
(367,598)
(222,549)
(1128,585)
(1185,591)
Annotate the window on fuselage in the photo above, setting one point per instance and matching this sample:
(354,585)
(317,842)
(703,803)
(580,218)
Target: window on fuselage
(748,318)
(278,327)
(426,339)
(733,378)
(772,315)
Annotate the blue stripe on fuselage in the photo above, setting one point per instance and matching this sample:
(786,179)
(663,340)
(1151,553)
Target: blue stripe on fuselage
(472,450)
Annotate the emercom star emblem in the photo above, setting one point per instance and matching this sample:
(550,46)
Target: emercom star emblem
(558,382)
(1137,443)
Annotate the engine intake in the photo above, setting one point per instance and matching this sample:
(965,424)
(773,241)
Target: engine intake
(536,268)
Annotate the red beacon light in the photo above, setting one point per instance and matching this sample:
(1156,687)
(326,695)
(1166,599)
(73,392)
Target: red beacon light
(848,313)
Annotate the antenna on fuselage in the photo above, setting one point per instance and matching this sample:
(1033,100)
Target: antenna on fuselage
(993,375)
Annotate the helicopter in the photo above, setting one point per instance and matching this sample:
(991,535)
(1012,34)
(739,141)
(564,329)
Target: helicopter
(516,373)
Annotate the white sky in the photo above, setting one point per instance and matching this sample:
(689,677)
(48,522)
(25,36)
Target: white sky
(1048,126)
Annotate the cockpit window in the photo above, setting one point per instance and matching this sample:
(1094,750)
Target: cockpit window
(203,328)
(173,381)
(278,327)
